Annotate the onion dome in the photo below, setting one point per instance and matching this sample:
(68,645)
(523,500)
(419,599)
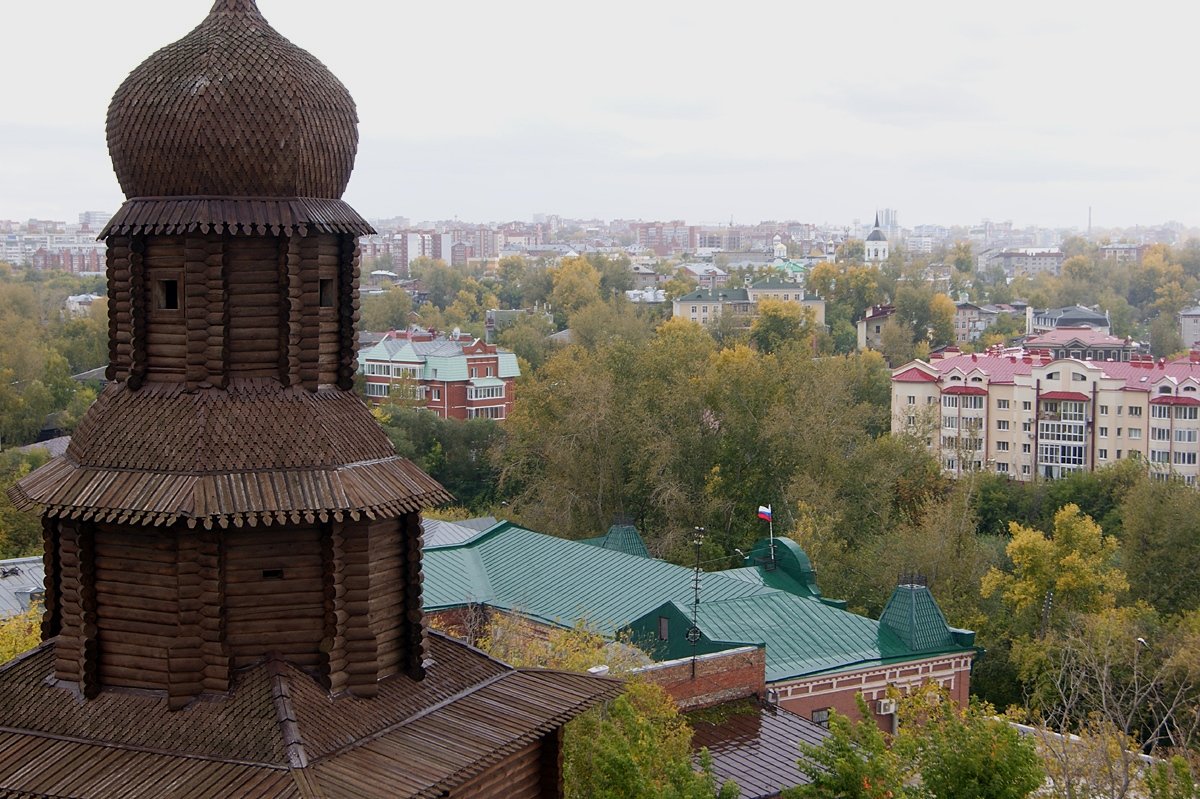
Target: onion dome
(233,112)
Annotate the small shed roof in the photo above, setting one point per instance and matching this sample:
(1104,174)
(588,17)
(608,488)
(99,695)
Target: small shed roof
(19,579)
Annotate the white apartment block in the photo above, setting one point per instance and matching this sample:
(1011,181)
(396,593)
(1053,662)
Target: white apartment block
(1031,415)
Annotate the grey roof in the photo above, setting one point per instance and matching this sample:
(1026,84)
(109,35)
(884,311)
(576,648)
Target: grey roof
(756,747)
(716,295)
(54,447)
(440,533)
(19,577)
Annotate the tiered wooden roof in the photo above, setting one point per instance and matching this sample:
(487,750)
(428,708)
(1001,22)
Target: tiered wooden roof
(253,453)
(278,734)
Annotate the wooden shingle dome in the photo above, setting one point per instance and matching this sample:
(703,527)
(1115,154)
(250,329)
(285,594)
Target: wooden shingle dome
(232,109)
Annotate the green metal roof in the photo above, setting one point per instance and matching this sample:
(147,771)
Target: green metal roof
(621,538)
(486,382)
(507,363)
(438,367)
(563,582)
(914,616)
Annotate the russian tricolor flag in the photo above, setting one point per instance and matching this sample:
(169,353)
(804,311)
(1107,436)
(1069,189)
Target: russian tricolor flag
(764,512)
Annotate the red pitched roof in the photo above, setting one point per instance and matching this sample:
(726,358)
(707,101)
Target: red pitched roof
(965,390)
(1169,400)
(914,375)
(1070,396)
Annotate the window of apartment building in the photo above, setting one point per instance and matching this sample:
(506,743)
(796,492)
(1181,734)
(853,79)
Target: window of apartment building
(1104,410)
(1160,456)
(1135,433)
(377,389)
(1102,454)
(1160,411)
(1187,412)
(950,401)
(1185,458)
(950,422)
(973,403)
(491,371)
(1002,446)
(821,716)
(1026,405)
(1135,410)
(693,309)
(1026,426)
(1160,434)
(930,400)
(1001,424)
(951,464)
(436,393)
(1025,448)
(1103,432)
(1185,436)
(912,421)
(1118,454)
(474,371)
(1025,468)
(912,400)
(1002,405)
(1002,467)
(490,412)
(485,392)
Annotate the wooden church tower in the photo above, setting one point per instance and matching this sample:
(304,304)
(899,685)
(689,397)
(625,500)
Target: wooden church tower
(228,502)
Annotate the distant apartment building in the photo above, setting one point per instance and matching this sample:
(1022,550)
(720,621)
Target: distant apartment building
(1189,326)
(666,238)
(1047,319)
(706,276)
(1018,261)
(407,246)
(1031,415)
(1123,253)
(455,376)
(708,305)
(870,327)
(1084,342)
(644,277)
(970,321)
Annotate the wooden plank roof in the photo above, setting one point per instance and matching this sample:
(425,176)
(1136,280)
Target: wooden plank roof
(163,455)
(278,733)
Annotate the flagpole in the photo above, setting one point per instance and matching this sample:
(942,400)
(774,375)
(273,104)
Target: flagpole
(771,530)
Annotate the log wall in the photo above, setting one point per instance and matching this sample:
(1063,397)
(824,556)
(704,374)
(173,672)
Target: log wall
(166,329)
(274,595)
(254,300)
(120,321)
(137,605)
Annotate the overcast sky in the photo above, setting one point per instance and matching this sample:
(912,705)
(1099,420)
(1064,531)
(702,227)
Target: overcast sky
(661,109)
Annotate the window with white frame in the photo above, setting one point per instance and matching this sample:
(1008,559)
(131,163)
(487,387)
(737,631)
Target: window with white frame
(1002,405)
(1002,446)
(1001,424)
(1135,433)
(1186,412)
(485,392)
(1160,411)
(1002,467)
(1185,436)
(1185,458)
(950,401)
(1160,434)
(1134,410)
(489,412)
(377,389)
(1160,456)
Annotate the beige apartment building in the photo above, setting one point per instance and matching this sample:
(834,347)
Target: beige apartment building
(1030,415)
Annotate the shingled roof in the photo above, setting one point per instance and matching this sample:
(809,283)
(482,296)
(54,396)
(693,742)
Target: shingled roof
(279,734)
(219,457)
(233,129)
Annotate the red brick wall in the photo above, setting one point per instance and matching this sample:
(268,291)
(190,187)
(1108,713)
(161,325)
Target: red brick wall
(838,691)
(720,677)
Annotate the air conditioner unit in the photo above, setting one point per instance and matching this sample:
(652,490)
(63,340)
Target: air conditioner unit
(885,707)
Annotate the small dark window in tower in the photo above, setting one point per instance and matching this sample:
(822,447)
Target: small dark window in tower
(326,292)
(166,295)
(272,574)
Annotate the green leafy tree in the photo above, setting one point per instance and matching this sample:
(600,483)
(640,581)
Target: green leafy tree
(780,323)
(387,311)
(1172,779)
(1072,571)
(966,753)
(576,284)
(636,747)
(854,762)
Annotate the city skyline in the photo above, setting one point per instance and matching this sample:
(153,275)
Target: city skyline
(485,112)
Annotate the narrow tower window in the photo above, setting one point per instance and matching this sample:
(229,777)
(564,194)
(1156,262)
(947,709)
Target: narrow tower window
(326,292)
(166,295)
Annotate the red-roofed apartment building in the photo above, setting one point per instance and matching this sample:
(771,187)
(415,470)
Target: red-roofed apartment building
(1028,413)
